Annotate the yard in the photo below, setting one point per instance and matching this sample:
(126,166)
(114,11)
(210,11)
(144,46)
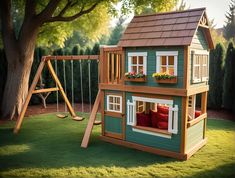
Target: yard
(50,147)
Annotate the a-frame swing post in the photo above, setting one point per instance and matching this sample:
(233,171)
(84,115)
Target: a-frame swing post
(26,103)
(70,108)
(91,121)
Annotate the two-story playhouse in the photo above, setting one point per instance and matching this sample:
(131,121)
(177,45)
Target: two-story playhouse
(150,80)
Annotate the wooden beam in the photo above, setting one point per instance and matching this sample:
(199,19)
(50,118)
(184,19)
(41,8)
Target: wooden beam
(45,90)
(112,49)
(101,65)
(54,76)
(31,89)
(91,121)
(77,57)
(144,89)
(197,120)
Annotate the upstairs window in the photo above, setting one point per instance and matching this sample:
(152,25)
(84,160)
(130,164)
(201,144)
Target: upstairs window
(167,62)
(114,103)
(200,60)
(137,62)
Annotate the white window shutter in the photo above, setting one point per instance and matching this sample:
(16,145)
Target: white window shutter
(145,65)
(173,119)
(175,65)
(130,113)
(158,64)
(129,64)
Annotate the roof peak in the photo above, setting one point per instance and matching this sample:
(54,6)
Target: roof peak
(171,12)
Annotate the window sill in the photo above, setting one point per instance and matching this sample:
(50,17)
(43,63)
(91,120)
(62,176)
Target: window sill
(144,79)
(196,120)
(154,130)
(170,81)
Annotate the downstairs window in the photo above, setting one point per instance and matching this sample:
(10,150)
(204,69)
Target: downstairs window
(151,113)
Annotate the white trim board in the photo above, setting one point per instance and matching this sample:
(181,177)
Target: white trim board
(152,100)
(151,133)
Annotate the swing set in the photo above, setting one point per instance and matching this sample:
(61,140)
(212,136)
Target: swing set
(111,53)
(46,61)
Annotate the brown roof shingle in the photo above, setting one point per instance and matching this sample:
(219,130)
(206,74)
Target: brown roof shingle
(162,29)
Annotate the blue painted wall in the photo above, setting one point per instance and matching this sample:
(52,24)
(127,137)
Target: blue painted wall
(151,65)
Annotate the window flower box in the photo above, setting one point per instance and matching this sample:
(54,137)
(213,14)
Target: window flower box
(165,78)
(135,77)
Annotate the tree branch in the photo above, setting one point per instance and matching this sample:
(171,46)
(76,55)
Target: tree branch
(68,4)
(48,11)
(73,17)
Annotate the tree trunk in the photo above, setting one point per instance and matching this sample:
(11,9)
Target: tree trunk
(16,87)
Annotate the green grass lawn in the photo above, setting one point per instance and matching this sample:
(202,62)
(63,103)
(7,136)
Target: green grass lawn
(50,147)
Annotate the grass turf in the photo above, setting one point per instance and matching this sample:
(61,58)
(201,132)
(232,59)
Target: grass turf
(50,147)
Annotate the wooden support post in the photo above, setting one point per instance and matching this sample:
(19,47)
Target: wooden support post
(32,87)
(70,108)
(112,71)
(91,121)
(186,67)
(204,110)
(184,116)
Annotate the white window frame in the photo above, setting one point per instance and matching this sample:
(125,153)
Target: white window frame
(114,98)
(167,54)
(172,117)
(201,64)
(137,54)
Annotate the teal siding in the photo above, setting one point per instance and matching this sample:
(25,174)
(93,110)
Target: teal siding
(172,144)
(194,135)
(112,124)
(151,65)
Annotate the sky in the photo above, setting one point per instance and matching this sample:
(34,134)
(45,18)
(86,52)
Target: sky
(215,9)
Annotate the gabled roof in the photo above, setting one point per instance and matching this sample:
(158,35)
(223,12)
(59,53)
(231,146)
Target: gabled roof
(166,29)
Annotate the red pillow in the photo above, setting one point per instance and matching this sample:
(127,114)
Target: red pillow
(143,119)
(154,118)
(162,117)
(162,125)
(197,113)
(163,109)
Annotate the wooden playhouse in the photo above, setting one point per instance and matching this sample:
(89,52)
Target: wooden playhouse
(149,83)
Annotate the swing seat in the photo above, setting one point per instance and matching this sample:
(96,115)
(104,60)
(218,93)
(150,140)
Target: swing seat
(97,122)
(77,118)
(62,116)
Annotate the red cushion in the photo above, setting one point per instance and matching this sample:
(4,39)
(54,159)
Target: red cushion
(197,113)
(163,109)
(162,125)
(162,117)
(143,119)
(154,118)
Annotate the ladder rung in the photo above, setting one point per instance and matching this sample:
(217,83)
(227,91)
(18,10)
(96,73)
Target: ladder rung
(45,90)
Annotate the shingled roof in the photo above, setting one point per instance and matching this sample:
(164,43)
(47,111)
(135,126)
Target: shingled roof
(165,29)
